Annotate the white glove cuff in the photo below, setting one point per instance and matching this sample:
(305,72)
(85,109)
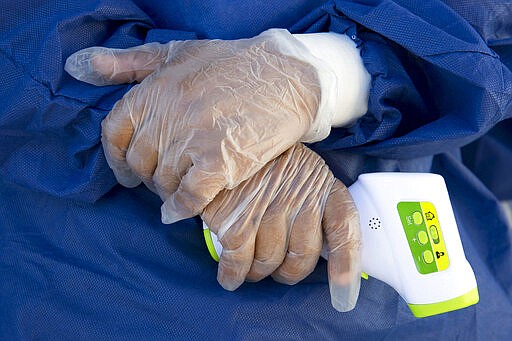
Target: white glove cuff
(341,55)
(344,81)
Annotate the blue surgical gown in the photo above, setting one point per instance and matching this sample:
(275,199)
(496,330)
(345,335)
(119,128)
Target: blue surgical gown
(82,258)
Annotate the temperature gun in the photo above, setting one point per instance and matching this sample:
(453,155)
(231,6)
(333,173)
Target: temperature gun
(410,241)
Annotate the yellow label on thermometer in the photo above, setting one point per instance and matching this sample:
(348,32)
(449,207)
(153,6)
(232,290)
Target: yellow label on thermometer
(436,235)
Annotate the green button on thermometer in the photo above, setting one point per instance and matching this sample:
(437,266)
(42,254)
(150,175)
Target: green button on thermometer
(427,256)
(422,237)
(417,218)
(409,240)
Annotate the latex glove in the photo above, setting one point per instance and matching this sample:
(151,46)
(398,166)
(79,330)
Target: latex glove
(274,224)
(208,114)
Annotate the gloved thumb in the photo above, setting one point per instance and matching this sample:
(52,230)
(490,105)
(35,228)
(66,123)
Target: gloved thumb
(342,232)
(103,66)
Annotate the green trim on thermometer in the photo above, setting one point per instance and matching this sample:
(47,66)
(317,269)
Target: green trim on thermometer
(209,244)
(463,301)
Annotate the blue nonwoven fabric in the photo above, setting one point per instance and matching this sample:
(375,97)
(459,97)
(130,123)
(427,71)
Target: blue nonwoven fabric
(84,258)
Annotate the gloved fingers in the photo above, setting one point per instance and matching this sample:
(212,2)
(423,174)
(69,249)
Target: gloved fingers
(230,205)
(104,66)
(117,131)
(305,243)
(116,159)
(234,265)
(196,189)
(166,178)
(289,239)
(142,158)
(235,215)
(342,232)
(238,250)
(271,243)
(273,231)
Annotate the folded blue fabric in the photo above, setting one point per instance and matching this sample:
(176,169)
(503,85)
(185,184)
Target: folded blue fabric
(82,258)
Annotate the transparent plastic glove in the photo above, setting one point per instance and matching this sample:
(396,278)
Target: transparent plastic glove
(207,114)
(274,224)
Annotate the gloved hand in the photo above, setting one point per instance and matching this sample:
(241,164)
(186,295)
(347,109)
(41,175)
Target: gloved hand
(274,224)
(207,114)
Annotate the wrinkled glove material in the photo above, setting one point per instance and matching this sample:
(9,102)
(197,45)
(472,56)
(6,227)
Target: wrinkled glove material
(275,224)
(208,114)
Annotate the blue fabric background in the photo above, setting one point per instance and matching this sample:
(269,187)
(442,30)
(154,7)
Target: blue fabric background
(82,258)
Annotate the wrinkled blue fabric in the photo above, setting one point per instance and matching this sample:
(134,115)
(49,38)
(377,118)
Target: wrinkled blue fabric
(83,258)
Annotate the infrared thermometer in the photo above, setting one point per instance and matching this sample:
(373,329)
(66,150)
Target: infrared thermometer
(410,241)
